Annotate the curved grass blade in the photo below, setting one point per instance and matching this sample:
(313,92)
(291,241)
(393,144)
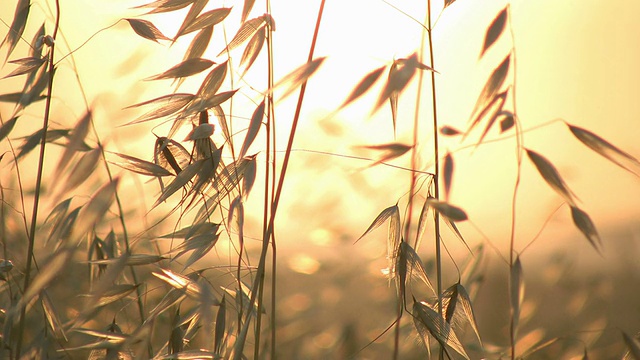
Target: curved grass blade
(493,84)
(494,31)
(82,170)
(76,142)
(458,306)
(437,327)
(181,180)
(582,220)
(141,167)
(246,9)
(551,176)
(247,30)
(52,317)
(196,7)
(17,26)
(132,260)
(179,282)
(422,224)
(95,209)
(199,43)
(47,273)
(161,6)
(33,140)
(185,69)
(298,76)
(448,2)
(146,29)
(200,132)
(113,294)
(249,177)
(26,65)
(6,128)
(414,265)
(391,151)
(254,128)
(605,148)
(252,50)
(363,86)
(207,19)
(381,218)
(170,155)
(447,210)
(218,337)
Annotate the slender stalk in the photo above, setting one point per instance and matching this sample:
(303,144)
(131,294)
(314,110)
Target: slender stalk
(519,147)
(274,207)
(36,198)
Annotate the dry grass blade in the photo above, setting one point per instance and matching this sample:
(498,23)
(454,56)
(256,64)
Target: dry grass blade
(380,219)
(218,337)
(495,105)
(141,167)
(605,148)
(52,317)
(202,131)
(551,176)
(161,6)
(437,327)
(252,50)
(298,76)
(47,273)
(34,139)
(447,210)
(180,181)
(247,30)
(6,128)
(538,346)
(147,30)
(456,232)
(249,176)
(199,43)
(414,265)
(169,104)
(94,210)
(200,245)
(448,2)
(27,65)
(246,9)
(76,142)
(185,69)
(213,81)
(113,294)
(494,31)
(62,230)
(207,19)
(516,294)
(422,224)
(390,151)
(633,344)
(582,220)
(112,337)
(194,11)
(131,260)
(170,155)
(493,84)
(179,282)
(254,128)
(364,85)
(81,171)
(458,305)
(448,174)
(17,26)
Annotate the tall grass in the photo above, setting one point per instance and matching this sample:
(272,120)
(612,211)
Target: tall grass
(88,274)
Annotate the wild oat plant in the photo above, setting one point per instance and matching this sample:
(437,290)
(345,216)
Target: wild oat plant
(87,272)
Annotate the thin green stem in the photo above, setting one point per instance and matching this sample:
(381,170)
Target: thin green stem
(36,198)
